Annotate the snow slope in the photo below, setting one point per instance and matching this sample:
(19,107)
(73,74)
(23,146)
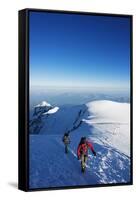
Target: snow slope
(98,121)
(112,119)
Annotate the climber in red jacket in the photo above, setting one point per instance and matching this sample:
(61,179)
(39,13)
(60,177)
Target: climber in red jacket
(82,151)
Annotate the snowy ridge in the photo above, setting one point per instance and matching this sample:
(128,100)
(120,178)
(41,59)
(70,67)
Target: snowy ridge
(51,111)
(105,123)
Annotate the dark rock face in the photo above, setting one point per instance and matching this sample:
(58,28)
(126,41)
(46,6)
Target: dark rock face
(36,124)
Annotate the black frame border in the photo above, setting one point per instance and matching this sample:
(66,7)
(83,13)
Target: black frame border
(23,98)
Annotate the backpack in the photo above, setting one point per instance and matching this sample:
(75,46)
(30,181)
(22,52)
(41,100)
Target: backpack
(66,139)
(84,147)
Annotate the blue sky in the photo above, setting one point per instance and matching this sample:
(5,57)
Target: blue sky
(79,50)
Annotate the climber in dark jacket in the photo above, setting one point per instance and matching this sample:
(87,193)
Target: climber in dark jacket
(66,141)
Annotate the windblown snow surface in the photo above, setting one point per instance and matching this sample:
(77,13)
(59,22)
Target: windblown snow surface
(105,123)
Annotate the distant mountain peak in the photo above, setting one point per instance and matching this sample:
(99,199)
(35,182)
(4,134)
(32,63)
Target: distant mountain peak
(43,104)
